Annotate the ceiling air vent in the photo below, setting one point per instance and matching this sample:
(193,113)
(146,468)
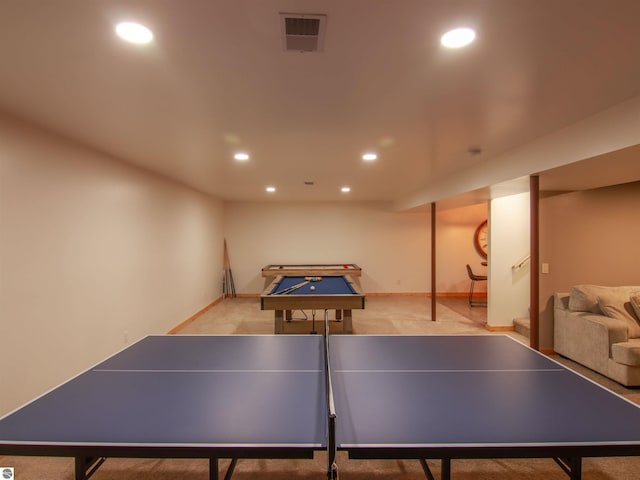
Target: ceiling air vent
(303,32)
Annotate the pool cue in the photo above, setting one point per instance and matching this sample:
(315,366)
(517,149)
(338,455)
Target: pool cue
(302,284)
(233,284)
(291,288)
(230,284)
(226,271)
(228,278)
(224,283)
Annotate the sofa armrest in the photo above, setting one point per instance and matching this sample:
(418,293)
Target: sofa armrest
(587,337)
(617,329)
(561,301)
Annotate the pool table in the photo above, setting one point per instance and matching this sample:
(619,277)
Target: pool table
(340,292)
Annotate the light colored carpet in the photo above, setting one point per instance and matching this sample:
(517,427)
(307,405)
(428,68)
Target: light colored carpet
(383,315)
(151,469)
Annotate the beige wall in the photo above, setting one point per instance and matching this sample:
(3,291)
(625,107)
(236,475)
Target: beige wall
(392,248)
(588,237)
(93,254)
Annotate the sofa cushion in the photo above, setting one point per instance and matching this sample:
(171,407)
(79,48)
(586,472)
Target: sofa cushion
(635,304)
(627,353)
(616,304)
(584,298)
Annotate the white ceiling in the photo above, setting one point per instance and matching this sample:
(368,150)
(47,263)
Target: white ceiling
(216,80)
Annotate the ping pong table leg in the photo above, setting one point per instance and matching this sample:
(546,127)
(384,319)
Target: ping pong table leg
(213,468)
(445,469)
(445,472)
(576,468)
(426,469)
(87,466)
(572,466)
(231,468)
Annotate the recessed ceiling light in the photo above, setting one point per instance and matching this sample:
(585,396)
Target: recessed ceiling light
(134,32)
(369,157)
(345,189)
(270,189)
(241,156)
(457,38)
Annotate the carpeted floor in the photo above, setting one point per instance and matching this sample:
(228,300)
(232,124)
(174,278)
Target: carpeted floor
(152,469)
(383,315)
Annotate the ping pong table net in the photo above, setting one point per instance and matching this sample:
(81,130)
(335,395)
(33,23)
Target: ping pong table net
(332,468)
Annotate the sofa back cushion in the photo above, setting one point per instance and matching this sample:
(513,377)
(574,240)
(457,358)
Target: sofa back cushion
(584,298)
(635,304)
(617,304)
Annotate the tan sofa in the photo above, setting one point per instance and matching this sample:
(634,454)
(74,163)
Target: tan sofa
(599,327)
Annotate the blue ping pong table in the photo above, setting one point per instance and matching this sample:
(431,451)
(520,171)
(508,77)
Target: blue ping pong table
(376,397)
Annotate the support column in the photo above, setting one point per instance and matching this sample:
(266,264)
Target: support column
(433,261)
(534,247)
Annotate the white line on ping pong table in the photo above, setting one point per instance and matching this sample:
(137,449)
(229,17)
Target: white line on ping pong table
(201,370)
(444,370)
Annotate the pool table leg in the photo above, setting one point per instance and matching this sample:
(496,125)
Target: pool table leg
(346,324)
(279,321)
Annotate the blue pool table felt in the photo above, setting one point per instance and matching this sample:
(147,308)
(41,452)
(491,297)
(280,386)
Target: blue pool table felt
(333,285)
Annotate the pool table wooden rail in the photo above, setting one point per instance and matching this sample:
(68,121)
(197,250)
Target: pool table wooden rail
(311,270)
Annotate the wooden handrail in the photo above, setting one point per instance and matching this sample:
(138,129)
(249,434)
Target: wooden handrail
(518,265)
